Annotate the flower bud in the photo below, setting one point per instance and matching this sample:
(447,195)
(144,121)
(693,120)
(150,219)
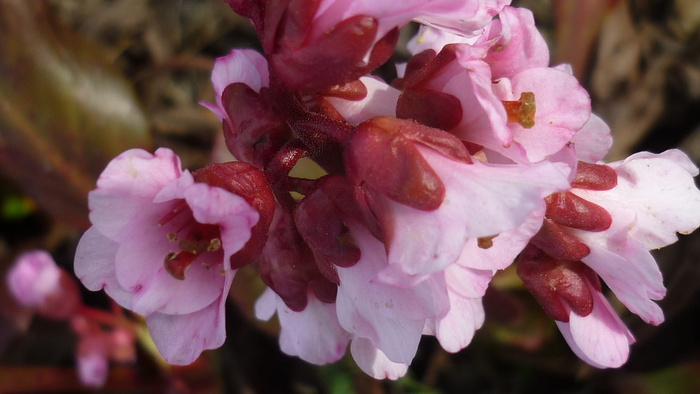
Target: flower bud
(37,282)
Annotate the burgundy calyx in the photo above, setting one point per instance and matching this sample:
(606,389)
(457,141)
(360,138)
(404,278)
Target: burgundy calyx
(429,107)
(570,210)
(341,50)
(380,155)
(248,182)
(556,242)
(594,177)
(331,243)
(426,65)
(288,266)
(353,91)
(256,131)
(321,134)
(554,282)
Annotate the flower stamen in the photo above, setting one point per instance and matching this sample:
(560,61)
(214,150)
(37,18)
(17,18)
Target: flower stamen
(523,110)
(177,262)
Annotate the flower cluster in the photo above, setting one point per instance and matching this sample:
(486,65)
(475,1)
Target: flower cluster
(38,284)
(478,156)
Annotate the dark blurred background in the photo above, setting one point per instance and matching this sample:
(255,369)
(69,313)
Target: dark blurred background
(83,80)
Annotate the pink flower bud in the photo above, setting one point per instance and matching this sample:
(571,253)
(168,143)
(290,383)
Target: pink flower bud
(37,282)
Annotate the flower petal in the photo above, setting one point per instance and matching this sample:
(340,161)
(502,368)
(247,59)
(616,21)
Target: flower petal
(481,200)
(391,318)
(313,334)
(593,141)
(375,363)
(94,266)
(182,338)
(628,269)
(601,338)
(127,186)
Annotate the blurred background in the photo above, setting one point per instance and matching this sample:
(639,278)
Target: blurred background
(83,80)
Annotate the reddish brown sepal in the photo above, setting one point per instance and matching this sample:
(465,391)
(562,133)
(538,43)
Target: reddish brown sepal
(573,211)
(553,282)
(333,58)
(430,107)
(248,182)
(353,91)
(559,244)
(594,177)
(428,65)
(289,269)
(380,155)
(256,131)
(414,65)
(329,242)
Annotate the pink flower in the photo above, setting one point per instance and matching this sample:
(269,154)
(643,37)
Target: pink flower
(456,16)
(387,321)
(384,322)
(161,245)
(426,231)
(605,226)
(562,108)
(35,281)
(655,198)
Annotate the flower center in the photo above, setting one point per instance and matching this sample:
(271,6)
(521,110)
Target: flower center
(523,110)
(193,238)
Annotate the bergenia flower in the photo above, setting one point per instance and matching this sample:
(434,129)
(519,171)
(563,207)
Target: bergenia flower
(162,244)
(36,282)
(424,234)
(623,210)
(654,199)
(479,154)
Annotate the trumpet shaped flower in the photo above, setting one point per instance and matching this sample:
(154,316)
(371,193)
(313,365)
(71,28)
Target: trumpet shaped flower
(160,246)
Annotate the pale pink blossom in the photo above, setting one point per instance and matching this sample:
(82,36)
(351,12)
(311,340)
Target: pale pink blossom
(482,200)
(391,318)
(655,198)
(562,108)
(387,321)
(160,246)
(484,118)
(36,282)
